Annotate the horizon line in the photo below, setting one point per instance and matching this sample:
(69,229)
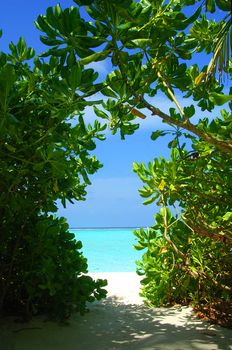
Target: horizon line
(103,227)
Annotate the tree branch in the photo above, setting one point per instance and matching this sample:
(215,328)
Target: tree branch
(202,231)
(185,124)
(173,97)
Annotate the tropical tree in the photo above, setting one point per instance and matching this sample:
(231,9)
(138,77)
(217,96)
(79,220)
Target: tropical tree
(44,156)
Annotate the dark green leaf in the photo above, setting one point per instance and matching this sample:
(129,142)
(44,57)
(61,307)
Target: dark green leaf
(189,111)
(7,79)
(210,6)
(90,41)
(224,5)
(185,23)
(157,134)
(50,41)
(83,2)
(173,144)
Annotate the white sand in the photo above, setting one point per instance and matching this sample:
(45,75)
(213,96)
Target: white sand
(119,322)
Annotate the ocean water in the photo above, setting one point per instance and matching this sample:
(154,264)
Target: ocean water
(109,250)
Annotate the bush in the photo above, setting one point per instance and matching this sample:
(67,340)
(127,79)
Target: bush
(188,249)
(44,157)
(169,279)
(47,272)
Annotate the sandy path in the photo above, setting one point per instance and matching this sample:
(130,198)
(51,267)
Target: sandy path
(119,322)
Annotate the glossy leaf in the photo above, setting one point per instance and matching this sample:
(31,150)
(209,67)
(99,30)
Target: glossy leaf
(100,113)
(98,56)
(219,99)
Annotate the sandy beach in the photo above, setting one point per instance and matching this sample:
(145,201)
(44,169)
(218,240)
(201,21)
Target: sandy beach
(121,321)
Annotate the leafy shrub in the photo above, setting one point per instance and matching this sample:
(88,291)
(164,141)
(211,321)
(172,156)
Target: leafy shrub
(47,271)
(188,254)
(168,280)
(44,157)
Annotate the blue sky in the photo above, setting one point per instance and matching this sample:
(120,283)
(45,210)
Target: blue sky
(113,199)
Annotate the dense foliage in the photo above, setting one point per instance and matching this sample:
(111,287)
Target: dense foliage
(44,157)
(182,262)
(153,48)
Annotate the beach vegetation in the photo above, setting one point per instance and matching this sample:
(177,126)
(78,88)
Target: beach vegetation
(45,157)
(173,49)
(153,49)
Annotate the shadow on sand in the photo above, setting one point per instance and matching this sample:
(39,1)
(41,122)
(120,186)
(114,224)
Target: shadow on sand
(112,325)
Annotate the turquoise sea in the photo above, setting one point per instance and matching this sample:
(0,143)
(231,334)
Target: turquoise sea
(109,249)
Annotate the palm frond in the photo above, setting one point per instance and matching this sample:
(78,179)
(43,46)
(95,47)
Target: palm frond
(222,51)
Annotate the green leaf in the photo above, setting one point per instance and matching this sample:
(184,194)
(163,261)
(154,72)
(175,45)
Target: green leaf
(210,6)
(126,26)
(13,49)
(150,200)
(43,25)
(189,111)
(83,52)
(7,79)
(20,52)
(83,2)
(227,216)
(174,114)
(74,76)
(51,21)
(57,10)
(224,5)
(71,59)
(219,99)
(92,103)
(135,166)
(50,41)
(139,246)
(21,45)
(157,134)
(63,201)
(3,59)
(107,91)
(183,24)
(30,53)
(90,41)
(143,43)
(100,113)
(173,143)
(146,192)
(10,148)
(98,56)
